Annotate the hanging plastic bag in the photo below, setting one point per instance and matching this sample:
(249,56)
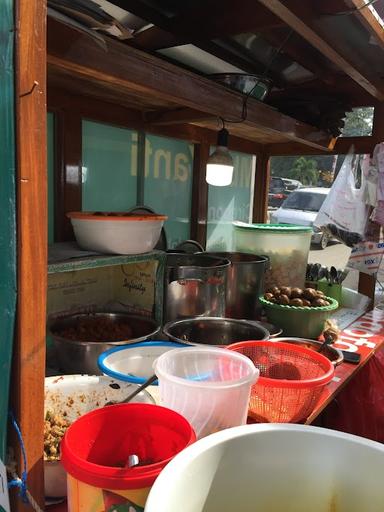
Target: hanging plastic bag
(366,257)
(344,213)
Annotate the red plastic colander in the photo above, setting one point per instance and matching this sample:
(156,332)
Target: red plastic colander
(291,380)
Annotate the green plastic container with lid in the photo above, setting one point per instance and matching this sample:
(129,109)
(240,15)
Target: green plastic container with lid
(286,245)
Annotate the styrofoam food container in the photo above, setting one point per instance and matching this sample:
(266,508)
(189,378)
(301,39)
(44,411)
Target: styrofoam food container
(117,233)
(290,468)
(134,363)
(76,395)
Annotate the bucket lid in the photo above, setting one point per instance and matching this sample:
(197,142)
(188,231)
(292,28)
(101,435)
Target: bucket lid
(275,228)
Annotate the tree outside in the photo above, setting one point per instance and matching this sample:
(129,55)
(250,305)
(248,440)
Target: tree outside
(321,169)
(305,170)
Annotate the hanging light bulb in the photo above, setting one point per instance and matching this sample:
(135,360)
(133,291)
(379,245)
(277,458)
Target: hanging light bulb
(219,170)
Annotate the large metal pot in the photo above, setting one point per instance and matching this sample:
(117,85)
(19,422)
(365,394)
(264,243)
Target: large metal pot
(214,331)
(76,356)
(245,283)
(194,285)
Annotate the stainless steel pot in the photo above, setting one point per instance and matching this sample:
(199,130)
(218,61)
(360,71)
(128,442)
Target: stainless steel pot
(245,283)
(214,331)
(194,285)
(333,354)
(75,356)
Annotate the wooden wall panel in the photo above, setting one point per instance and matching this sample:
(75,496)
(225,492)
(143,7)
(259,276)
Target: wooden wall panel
(260,196)
(199,194)
(68,185)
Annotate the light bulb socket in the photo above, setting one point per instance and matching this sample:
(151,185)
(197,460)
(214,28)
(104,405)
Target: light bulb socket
(222,137)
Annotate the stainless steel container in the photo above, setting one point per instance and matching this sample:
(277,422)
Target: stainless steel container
(76,356)
(333,354)
(195,285)
(245,283)
(214,331)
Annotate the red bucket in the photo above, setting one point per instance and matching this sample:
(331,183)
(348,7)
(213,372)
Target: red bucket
(96,448)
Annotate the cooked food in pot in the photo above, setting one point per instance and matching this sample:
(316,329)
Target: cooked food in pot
(55,426)
(96,329)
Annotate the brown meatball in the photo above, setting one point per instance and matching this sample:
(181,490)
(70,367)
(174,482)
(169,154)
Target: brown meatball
(306,303)
(309,293)
(296,293)
(283,300)
(285,290)
(296,302)
(268,296)
(318,303)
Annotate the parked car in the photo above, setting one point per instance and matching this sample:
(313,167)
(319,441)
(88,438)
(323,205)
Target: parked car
(301,208)
(277,192)
(291,185)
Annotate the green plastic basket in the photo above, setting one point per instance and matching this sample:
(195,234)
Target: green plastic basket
(299,322)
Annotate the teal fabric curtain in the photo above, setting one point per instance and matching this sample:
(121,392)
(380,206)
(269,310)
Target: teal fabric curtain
(8,214)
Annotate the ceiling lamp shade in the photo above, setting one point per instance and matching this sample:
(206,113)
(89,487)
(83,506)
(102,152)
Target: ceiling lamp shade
(219,170)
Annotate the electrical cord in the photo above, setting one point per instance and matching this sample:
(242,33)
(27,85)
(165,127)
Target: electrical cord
(352,11)
(244,111)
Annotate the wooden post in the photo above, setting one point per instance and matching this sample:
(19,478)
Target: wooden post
(260,197)
(367,283)
(199,194)
(28,372)
(68,163)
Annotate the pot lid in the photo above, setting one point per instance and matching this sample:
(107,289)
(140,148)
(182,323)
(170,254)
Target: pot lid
(274,228)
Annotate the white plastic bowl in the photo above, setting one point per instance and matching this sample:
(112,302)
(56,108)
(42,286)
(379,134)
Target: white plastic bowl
(117,233)
(76,395)
(273,467)
(134,363)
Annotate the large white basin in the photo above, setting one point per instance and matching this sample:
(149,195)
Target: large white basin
(273,468)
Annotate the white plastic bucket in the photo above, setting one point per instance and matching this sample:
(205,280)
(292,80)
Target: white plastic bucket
(208,386)
(276,468)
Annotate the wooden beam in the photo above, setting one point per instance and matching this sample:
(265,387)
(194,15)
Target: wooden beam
(369,21)
(134,70)
(260,195)
(61,101)
(199,194)
(362,145)
(27,386)
(300,22)
(177,116)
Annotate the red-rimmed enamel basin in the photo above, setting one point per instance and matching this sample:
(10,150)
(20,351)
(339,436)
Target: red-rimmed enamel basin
(117,232)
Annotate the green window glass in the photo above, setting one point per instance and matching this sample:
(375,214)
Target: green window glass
(168,184)
(109,174)
(228,204)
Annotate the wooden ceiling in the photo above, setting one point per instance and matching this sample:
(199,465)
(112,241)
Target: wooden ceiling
(336,45)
